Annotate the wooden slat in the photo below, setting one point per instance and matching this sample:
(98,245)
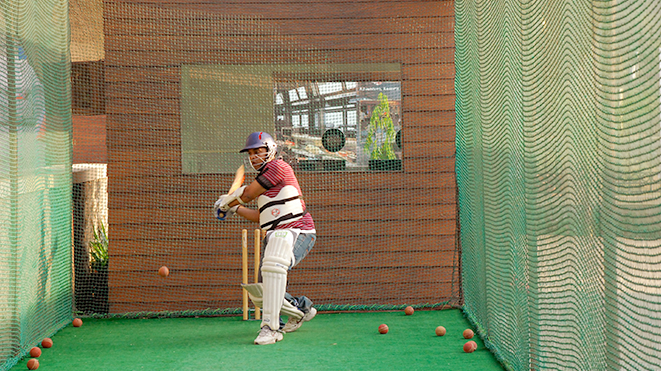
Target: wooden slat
(347,212)
(421,165)
(272,2)
(183,22)
(310,182)
(139,106)
(198,265)
(148,199)
(414,150)
(166,79)
(152,74)
(152,121)
(146,143)
(336,297)
(119,151)
(432,71)
(122,64)
(191,263)
(168,90)
(144,137)
(428,118)
(338,76)
(381,251)
(424,149)
(393,228)
(428,103)
(229,242)
(377,258)
(89,139)
(427,87)
(417,134)
(167,70)
(411,89)
(344,275)
(335,275)
(128,167)
(172,106)
(185,305)
(281,43)
(358,291)
(263,10)
(341,180)
(152,90)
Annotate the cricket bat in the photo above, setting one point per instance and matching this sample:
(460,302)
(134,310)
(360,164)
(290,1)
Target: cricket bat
(239,177)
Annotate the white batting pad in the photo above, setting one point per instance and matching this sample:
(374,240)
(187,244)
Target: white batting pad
(290,310)
(255,292)
(278,256)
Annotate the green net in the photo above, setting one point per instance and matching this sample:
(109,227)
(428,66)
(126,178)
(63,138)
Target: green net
(164,94)
(558,167)
(35,174)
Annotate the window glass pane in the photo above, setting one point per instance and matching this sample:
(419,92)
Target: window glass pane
(333,119)
(292,95)
(301,93)
(329,87)
(351,119)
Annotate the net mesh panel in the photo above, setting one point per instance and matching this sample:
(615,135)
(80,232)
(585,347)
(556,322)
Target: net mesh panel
(163,98)
(35,175)
(558,167)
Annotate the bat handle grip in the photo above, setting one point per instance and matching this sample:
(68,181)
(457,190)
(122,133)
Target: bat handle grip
(220,215)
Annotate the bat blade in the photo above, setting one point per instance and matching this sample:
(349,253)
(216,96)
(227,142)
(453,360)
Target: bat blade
(239,177)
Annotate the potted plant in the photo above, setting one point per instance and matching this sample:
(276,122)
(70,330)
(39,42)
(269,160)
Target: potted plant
(381,137)
(98,249)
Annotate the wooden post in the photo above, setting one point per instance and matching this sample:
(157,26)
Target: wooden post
(258,247)
(244,252)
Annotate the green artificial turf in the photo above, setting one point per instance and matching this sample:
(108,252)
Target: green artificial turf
(342,341)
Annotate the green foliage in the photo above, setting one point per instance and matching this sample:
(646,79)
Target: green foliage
(99,249)
(381,126)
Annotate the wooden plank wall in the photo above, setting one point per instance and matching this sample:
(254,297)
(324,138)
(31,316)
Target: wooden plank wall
(89,139)
(384,237)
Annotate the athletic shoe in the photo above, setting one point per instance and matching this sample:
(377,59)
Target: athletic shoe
(268,336)
(293,324)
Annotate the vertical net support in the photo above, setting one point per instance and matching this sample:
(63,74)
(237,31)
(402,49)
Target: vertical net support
(35,175)
(558,172)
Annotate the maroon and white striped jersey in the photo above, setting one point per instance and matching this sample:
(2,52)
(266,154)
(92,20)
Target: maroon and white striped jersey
(274,176)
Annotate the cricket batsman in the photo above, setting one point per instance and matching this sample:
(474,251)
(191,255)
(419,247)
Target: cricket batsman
(290,235)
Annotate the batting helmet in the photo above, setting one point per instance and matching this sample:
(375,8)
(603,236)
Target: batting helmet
(260,139)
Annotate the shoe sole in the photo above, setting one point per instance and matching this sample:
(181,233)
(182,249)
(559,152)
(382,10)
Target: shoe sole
(275,340)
